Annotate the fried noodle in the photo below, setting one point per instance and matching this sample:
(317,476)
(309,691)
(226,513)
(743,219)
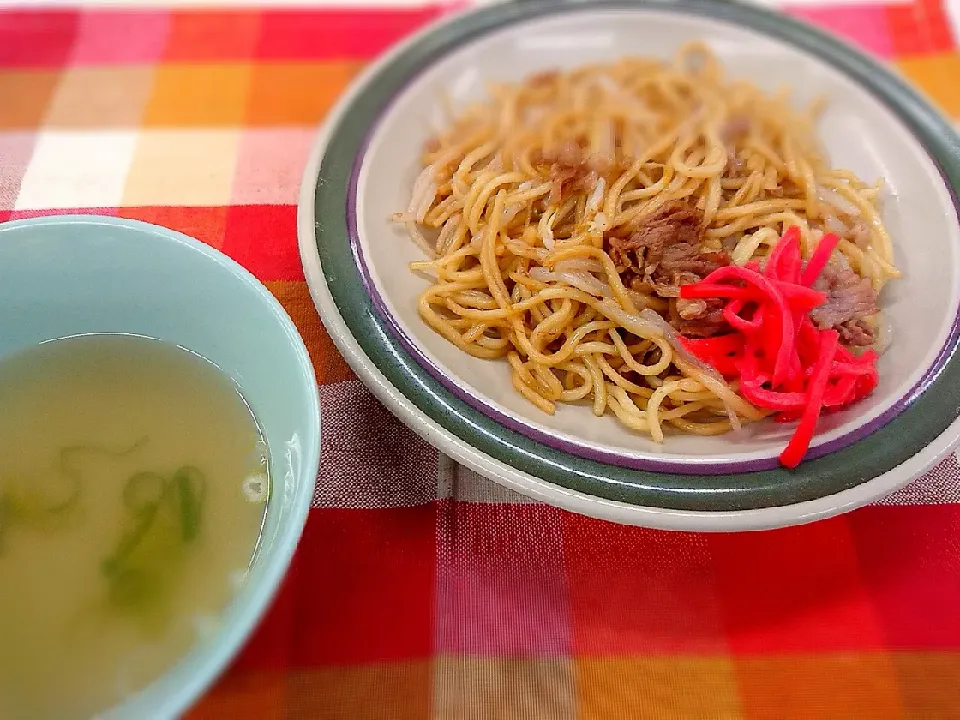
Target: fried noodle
(523,197)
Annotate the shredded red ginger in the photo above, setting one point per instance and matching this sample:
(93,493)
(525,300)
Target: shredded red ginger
(782,360)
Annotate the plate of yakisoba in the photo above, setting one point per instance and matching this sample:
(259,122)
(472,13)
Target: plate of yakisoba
(689,265)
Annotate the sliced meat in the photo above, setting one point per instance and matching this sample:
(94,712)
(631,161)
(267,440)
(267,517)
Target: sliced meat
(569,155)
(676,223)
(850,300)
(571,170)
(856,333)
(682,259)
(661,252)
(698,318)
(736,166)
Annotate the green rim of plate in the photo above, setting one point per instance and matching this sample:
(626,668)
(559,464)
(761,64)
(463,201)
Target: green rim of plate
(928,416)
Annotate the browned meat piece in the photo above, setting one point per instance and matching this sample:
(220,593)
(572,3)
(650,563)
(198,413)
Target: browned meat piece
(569,170)
(856,333)
(698,318)
(850,299)
(672,225)
(680,259)
(736,166)
(569,155)
(662,252)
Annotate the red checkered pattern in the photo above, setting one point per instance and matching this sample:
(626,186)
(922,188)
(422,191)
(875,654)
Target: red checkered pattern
(420,591)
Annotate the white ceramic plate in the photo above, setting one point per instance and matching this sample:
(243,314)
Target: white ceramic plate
(875,126)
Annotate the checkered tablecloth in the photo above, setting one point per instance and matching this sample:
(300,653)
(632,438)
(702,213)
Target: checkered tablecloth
(419,590)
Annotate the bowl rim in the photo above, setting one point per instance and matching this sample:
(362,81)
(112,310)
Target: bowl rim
(324,195)
(182,684)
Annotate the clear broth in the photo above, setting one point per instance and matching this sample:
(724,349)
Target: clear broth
(133,489)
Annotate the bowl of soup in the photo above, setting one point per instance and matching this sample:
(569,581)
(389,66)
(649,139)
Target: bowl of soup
(159,446)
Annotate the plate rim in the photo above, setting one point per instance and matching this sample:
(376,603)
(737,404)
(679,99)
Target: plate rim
(910,103)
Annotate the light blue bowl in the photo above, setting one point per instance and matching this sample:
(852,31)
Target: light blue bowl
(86,274)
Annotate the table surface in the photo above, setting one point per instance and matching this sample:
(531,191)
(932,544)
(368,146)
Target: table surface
(421,590)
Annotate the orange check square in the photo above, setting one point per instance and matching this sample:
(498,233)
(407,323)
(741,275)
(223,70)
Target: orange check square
(928,684)
(296,93)
(937,76)
(258,696)
(400,691)
(328,363)
(186,95)
(25,96)
(506,688)
(834,686)
(651,688)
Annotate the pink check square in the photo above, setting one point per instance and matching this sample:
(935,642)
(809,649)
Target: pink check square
(269,165)
(16,150)
(865,25)
(120,37)
(501,588)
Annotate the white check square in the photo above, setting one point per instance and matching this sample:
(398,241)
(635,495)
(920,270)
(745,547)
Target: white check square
(77,170)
